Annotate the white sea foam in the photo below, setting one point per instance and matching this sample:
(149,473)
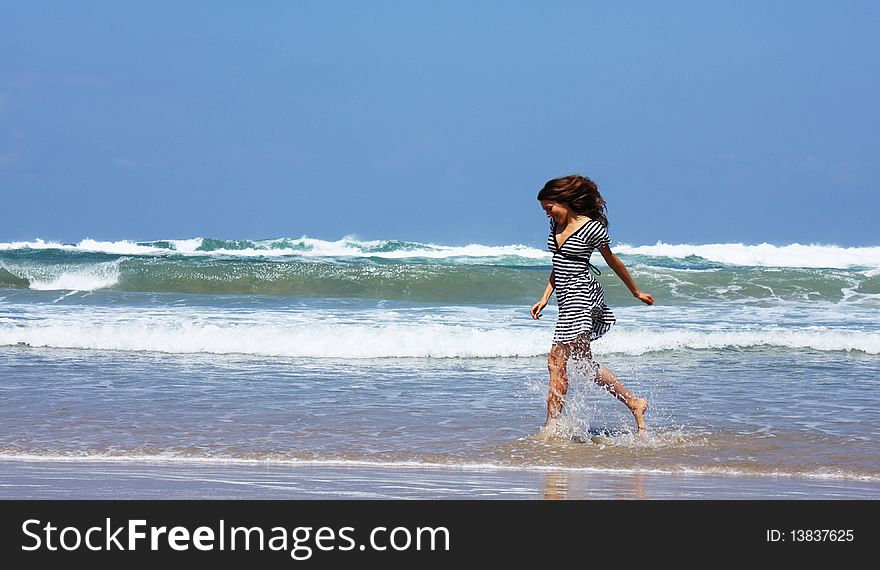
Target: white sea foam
(185,246)
(123,247)
(316,340)
(638,341)
(765,254)
(36,244)
(303,247)
(72,277)
(350,247)
(374,336)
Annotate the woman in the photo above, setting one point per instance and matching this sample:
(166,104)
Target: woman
(578,225)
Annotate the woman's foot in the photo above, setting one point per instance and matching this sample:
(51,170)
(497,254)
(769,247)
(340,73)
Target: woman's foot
(638,408)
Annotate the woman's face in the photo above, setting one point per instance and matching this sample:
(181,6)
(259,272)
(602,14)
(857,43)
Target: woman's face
(555,210)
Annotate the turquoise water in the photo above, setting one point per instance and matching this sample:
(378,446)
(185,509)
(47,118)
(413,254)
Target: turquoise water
(757,360)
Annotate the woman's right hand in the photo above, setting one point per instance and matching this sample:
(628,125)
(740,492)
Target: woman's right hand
(537,308)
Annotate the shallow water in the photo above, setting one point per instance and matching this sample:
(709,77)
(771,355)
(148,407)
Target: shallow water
(749,371)
(720,411)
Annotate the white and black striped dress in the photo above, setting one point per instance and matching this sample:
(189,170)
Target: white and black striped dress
(579,295)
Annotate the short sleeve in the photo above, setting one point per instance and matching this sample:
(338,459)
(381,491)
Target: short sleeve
(602,238)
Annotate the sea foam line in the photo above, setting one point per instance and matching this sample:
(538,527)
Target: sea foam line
(176,335)
(171,459)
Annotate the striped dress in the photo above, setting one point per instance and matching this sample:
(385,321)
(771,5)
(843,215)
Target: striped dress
(580,296)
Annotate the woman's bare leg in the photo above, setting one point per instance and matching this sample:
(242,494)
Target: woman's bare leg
(605,378)
(638,406)
(556,363)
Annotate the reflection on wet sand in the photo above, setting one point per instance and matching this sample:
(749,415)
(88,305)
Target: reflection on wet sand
(561,485)
(632,487)
(555,486)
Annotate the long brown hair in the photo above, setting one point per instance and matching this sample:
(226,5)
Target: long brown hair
(578,193)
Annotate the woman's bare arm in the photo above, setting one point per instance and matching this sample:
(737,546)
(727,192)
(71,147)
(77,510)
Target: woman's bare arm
(545,298)
(551,285)
(618,267)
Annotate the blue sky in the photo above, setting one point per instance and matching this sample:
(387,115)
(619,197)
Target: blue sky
(439,121)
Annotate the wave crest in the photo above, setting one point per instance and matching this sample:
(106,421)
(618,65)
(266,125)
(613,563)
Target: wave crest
(732,254)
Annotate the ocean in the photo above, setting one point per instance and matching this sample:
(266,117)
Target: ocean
(758,361)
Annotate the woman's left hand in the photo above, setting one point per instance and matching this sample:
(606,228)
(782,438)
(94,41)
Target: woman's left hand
(645,298)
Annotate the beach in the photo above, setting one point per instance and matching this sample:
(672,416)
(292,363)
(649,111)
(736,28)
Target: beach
(296,368)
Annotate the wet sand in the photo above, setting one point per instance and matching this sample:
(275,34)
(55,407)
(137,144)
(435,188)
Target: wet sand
(29,479)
